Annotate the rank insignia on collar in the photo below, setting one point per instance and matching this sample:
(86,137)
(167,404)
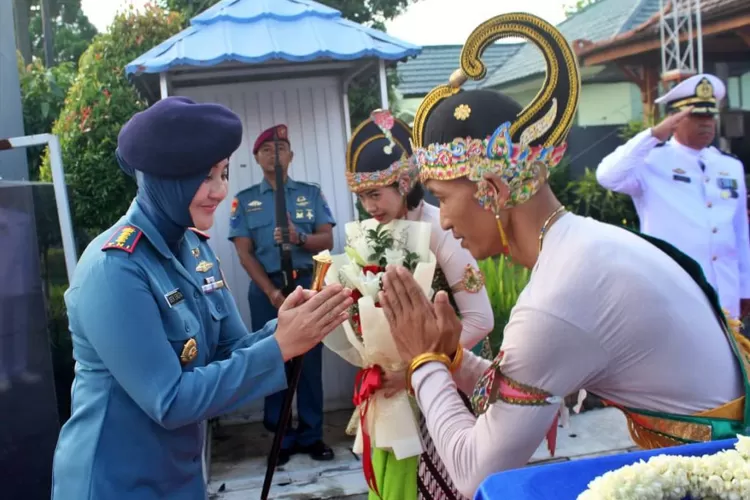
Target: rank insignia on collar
(302,201)
(678,171)
(204,266)
(310,214)
(125,238)
(189,352)
(201,234)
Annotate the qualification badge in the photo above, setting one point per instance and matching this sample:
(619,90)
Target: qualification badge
(204,267)
(189,352)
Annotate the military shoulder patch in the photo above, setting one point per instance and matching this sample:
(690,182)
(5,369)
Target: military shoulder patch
(731,155)
(200,233)
(125,238)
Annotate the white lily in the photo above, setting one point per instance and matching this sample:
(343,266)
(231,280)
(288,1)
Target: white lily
(362,248)
(370,284)
(353,275)
(395,256)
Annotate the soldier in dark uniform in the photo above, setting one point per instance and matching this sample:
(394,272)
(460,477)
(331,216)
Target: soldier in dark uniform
(253,229)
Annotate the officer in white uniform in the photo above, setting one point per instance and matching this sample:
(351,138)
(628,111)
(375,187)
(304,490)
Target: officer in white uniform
(686,191)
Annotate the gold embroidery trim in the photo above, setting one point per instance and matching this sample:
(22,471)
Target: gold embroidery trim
(431,100)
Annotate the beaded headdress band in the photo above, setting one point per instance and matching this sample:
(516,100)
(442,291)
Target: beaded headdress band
(403,171)
(523,151)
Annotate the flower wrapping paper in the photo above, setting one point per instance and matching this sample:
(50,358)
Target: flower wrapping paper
(391,422)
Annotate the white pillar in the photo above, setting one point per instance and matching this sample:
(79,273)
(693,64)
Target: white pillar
(383,85)
(163,85)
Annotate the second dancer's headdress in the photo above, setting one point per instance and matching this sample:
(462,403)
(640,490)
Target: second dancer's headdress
(379,154)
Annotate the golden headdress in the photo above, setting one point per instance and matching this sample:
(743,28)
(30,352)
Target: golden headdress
(379,154)
(461,133)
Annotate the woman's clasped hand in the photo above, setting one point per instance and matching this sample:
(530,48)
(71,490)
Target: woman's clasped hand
(306,317)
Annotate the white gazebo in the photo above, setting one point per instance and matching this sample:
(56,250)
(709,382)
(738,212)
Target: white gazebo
(277,61)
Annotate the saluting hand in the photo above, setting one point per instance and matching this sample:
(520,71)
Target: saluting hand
(306,317)
(293,236)
(664,130)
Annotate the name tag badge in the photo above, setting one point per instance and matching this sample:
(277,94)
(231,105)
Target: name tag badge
(726,183)
(174,297)
(682,178)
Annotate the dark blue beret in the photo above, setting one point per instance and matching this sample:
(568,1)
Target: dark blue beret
(177,137)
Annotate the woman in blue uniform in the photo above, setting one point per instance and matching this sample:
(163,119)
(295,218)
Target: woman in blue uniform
(158,342)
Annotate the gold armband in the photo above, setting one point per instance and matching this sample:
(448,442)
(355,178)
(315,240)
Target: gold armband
(458,358)
(423,359)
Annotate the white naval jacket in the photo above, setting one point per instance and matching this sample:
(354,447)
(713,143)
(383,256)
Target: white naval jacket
(695,200)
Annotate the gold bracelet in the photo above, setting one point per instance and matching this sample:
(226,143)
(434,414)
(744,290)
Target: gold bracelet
(458,358)
(423,359)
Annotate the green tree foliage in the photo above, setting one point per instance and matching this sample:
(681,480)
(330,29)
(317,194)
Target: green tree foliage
(584,196)
(72,30)
(364,93)
(188,8)
(100,101)
(576,6)
(43,92)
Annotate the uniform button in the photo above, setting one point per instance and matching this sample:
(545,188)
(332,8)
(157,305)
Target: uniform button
(709,204)
(714,230)
(218,308)
(196,294)
(706,179)
(714,258)
(187,328)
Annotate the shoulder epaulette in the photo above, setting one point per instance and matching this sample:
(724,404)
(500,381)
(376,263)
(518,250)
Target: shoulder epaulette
(731,155)
(200,233)
(125,239)
(247,189)
(309,184)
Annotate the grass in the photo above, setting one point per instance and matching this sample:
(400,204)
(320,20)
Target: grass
(504,281)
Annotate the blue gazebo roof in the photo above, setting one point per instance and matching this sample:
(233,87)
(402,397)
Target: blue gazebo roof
(256,31)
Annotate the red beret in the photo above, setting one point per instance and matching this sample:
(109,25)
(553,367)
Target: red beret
(267,136)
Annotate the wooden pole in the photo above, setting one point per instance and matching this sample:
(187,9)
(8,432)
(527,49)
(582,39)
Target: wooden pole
(47,34)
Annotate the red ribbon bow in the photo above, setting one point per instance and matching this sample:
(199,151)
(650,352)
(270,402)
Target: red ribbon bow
(367,383)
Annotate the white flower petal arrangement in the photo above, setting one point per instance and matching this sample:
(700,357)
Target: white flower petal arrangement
(721,476)
(365,340)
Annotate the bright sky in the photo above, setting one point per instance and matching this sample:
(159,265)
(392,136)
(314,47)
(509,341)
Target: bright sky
(428,22)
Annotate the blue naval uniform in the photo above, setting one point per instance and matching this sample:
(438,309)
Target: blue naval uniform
(253,216)
(157,352)
(141,391)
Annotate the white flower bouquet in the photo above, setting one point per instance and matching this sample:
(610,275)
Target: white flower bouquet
(365,340)
(724,475)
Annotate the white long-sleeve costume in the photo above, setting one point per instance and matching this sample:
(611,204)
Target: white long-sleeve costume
(581,323)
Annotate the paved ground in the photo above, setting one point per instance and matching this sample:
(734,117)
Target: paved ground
(239,460)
